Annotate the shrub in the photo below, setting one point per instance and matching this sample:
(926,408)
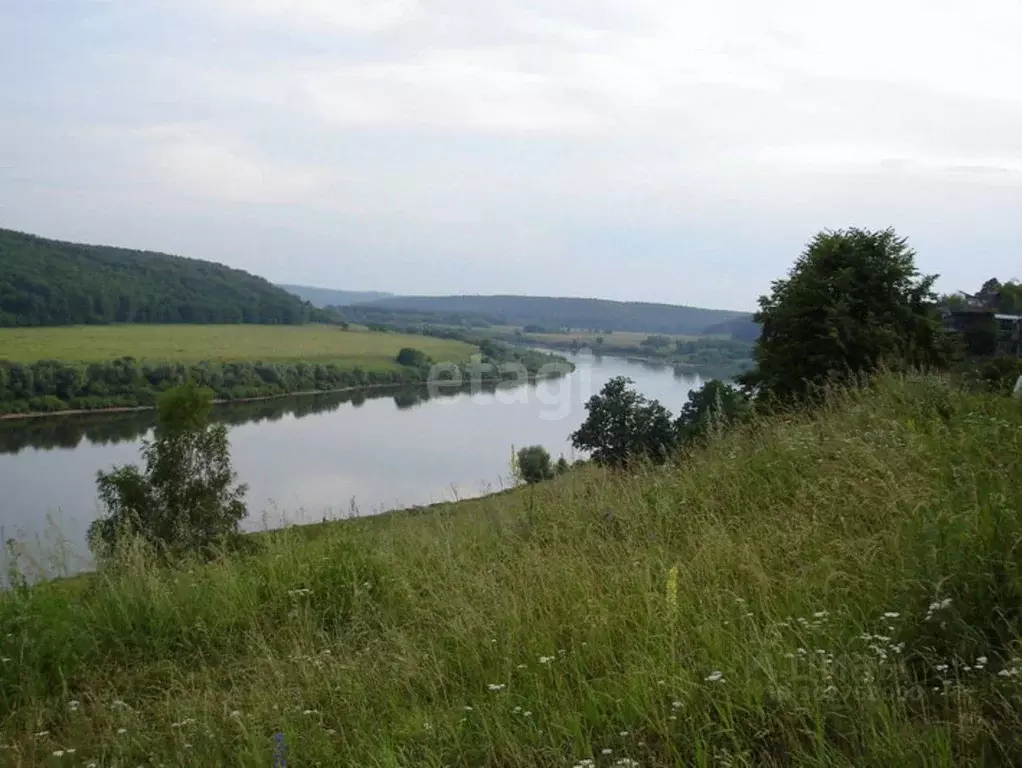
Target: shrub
(185,498)
(534,464)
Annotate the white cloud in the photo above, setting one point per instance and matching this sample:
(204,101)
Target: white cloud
(195,162)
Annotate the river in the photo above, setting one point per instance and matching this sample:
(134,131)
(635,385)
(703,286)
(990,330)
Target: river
(314,457)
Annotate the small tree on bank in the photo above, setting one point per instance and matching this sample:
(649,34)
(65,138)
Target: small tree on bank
(534,464)
(852,303)
(623,426)
(185,498)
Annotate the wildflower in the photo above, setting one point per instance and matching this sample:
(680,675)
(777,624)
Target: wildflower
(891,615)
(516,710)
(821,615)
(715,677)
(121,731)
(672,589)
(606,751)
(311,712)
(70,750)
(661,682)
(941,667)
(527,713)
(623,734)
(981,661)
(73,705)
(468,708)
(120,704)
(58,753)
(676,705)
(496,687)
(1007,673)
(545,659)
(40,734)
(522,666)
(235,713)
(673,717)
(279,750)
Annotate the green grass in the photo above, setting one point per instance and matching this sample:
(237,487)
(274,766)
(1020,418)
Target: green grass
(222,343)
(544,626)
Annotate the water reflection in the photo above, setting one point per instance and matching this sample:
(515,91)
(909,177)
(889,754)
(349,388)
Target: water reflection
(68,432)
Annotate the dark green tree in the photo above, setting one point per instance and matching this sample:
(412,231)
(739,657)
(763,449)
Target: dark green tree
(853,302)
(412,358)
(185,498)
(534,464)
(562,466)
(715,405)
(622,426)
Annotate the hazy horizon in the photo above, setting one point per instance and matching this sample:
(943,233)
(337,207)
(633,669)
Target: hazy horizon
(633,150)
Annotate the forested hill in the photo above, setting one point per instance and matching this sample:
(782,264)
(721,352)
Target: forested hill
(550,312)
(49,282)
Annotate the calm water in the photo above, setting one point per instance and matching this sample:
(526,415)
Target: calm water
(315,457)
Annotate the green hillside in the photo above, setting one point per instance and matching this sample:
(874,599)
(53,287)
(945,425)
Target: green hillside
(330,297)
(50,282)
(555,313)
(837,589)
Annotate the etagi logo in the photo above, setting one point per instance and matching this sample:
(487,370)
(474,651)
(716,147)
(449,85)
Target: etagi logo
(555,385)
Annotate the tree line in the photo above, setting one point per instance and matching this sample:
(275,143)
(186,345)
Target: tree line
(49,282)
(53,385)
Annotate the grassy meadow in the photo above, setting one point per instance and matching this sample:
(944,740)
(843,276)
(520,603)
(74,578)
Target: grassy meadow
(841,589)
(221,343)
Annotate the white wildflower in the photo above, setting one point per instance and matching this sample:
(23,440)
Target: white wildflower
(121,731)
(715,677)
(40,734)
(545,659)
(623,734)
(58,753)
(468,708)
(527,713)
(676,705)
(821,615)
(606,751)
(981,661)
(496,687)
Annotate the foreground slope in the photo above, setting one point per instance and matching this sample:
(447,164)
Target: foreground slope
(50,282)
(841,589)
(595,314)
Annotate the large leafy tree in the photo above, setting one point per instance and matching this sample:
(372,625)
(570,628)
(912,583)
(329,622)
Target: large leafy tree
(853,302)
(623,426)
(185,498)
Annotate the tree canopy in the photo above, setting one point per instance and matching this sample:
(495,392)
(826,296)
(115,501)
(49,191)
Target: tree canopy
(49,282)
(854,301)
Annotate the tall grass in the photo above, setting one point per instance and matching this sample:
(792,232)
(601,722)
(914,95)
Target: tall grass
(834,589)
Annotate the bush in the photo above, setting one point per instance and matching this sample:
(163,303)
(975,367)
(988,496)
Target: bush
(412,358)
(184,499)
(534,464)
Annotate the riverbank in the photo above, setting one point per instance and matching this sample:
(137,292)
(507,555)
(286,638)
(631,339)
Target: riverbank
(828,589)
(64,387)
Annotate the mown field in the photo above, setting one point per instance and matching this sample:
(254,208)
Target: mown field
(833,589)
(221,343)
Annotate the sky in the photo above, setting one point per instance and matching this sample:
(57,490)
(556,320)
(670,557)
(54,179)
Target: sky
(651,150)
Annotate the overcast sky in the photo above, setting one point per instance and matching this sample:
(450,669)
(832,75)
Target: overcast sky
(655,150)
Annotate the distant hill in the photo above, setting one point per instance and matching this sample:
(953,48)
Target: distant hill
(743,328)
(50,282)
(328,297)
(551,312)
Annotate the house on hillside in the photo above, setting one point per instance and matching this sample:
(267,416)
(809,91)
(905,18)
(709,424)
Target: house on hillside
(985,331)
